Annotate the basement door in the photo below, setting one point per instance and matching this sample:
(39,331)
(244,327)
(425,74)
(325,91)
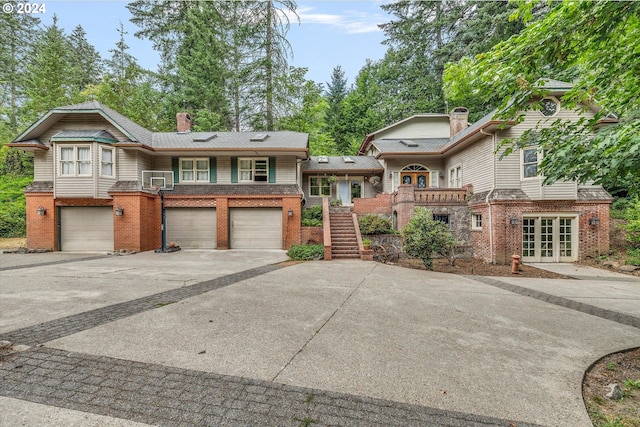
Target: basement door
(86,228)
(549,238)
(255,228)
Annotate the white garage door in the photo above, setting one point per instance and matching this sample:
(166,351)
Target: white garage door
(86,228)
(255,228)
(191,227)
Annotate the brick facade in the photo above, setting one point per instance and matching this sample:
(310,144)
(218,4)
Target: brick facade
(139,228)
(506,239)
(380,205)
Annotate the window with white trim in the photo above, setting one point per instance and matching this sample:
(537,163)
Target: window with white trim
(455,177)
(194,170)
(107,162)
(476,222)
(75,160)
(253,170)
(530,160)
(319,186)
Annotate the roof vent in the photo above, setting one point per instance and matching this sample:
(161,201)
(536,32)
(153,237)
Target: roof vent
(347,159)
(205,138)
(323,159)
(408,143)
(259,137)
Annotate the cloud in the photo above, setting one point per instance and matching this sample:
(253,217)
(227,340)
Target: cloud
(348,21)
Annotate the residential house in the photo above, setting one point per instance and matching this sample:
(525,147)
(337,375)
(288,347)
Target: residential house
(497,207)
(102,182)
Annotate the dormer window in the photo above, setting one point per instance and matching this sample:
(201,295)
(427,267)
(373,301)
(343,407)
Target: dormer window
(549,106)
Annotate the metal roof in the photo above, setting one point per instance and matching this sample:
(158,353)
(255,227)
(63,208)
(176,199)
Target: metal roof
(93,135)
(337,163)
(410,145)
(229,141)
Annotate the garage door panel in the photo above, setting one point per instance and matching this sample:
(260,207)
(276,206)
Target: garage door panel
(192,227)
(255,228)
(86,228)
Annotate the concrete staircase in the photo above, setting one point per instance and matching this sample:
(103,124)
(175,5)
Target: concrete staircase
(344,243)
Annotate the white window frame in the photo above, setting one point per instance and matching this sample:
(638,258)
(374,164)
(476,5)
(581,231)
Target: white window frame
(523,164)
(320,186)
(252,170)
(76,162)
(455,177)
(194,170)
(112,162)
(476,221)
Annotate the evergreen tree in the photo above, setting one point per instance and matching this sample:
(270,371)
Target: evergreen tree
(17,32)
(85,61)
(47,83)
(336,125)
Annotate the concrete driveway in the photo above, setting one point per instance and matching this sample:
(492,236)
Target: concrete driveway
(321,343)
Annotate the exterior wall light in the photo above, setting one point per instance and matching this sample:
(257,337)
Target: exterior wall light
(119,211)
(594,221)
(513,221)
(290,213)
(41,211)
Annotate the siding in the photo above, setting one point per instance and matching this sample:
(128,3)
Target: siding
(43,165)
(509,169)
(286,170)
(477,165)
(421,127)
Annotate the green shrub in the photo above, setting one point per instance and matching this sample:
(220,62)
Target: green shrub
(423,237)
(632,215)
(306,252)
(374,224)
(633,257)
(312,217)
(13,211)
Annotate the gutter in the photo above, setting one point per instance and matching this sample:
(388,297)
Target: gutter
(490,193)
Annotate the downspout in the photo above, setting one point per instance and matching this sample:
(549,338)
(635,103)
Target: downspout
(490,193)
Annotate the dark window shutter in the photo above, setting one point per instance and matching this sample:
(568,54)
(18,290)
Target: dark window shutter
(234,169)
(272,170)
(175,165)
(213,178)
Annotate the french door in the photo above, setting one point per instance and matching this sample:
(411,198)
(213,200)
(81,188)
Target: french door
(549,238)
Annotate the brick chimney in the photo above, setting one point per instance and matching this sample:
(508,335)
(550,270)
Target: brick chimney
(458,120)
(184,122)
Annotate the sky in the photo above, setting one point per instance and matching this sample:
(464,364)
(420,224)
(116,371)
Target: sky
(329,33)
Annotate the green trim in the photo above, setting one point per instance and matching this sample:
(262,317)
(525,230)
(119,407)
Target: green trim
(272,170)
(213,178)
(175,167)
(234,169)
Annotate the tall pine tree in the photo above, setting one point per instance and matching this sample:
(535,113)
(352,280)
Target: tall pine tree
(336,123)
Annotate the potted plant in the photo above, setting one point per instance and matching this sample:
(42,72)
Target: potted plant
(366,243)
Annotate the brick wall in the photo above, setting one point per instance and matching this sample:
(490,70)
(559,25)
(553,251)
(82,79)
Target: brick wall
(507,238)
(311,236)
(380,205)
(41,229)
(138,228)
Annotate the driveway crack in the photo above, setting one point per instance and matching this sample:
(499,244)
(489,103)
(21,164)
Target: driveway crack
(344,302)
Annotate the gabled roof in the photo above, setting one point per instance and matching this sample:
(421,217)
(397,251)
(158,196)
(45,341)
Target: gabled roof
(128,127)
(138,136)
(338,164)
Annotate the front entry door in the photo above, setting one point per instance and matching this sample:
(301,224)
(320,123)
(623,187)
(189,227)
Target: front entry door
(348,189)
(419,179)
